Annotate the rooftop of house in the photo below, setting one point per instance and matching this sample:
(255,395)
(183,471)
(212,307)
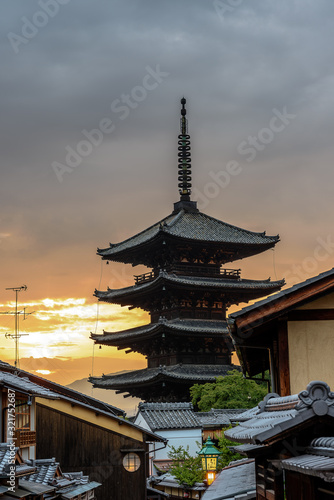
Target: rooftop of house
(48,473)
(318,460)
(235,482)
(25,386)
(22,467)
(170,481)
(288,298)
(169,415)
(50,389)
(42,384)
(275,415)
(218,417)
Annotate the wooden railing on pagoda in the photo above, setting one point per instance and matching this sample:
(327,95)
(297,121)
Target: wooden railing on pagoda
(185,270)
(25,438)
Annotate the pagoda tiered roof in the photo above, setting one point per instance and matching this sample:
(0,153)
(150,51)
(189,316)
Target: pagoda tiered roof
(189,226)
(240,290)
(179,327)
(140,382)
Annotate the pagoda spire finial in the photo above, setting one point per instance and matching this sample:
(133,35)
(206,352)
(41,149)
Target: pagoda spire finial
(184,162)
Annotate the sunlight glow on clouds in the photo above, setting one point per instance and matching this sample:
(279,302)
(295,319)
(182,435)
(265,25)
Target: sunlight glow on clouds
(62,327)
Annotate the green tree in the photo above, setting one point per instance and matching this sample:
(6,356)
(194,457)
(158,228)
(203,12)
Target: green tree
(231,391)
(186,469)
(227,455)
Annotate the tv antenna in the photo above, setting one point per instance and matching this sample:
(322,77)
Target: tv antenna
(17,335)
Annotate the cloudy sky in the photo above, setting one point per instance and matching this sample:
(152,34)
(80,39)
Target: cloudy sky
(90,99)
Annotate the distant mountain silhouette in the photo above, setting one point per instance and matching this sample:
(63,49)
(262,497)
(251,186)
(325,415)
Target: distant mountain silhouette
(129,405)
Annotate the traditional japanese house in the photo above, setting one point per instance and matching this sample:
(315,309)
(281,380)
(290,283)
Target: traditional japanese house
(290,332)
(83,433)
(186,292)
(177,423)
(291,440)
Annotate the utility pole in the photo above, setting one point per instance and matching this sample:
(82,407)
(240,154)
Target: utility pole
(16,335)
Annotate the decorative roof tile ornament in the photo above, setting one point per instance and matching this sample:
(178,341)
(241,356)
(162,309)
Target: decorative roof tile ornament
(317,396)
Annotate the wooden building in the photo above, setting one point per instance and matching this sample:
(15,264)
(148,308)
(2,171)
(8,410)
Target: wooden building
(291,440)
(291,333)
(186,292)
(88,435)
(21,475)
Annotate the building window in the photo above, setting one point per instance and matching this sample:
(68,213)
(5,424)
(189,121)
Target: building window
(22,412)
(131,462)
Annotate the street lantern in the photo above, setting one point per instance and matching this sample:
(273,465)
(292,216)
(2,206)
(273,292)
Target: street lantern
(209,455)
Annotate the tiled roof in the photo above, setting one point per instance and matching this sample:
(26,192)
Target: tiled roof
(45,470)
(35,385)
(170,481)
(192,226)
(217,417)
(23,384)
(5,460)
(235,482)
(280,295)
(35,488)
(74,491)
(67,485)
(181,326)
(181,372)
(169,415)
(275,415)
(165,278)
(318,460)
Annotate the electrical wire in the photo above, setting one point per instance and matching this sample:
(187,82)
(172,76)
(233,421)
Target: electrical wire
(97,319)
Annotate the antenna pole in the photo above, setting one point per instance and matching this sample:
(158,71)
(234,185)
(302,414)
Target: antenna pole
(17,335)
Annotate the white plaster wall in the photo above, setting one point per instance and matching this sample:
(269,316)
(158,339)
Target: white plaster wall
(311,352)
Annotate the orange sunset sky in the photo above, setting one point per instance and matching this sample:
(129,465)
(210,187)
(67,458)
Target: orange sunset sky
(259,89)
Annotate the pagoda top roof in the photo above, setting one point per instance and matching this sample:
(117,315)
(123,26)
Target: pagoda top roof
(189,224)
(177,373)
(186,326)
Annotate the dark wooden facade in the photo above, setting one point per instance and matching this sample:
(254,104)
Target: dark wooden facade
(96,451)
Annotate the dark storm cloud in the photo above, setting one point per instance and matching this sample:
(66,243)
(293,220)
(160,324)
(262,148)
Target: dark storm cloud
(235,65)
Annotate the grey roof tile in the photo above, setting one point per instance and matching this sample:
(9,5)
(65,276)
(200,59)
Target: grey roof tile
(23,384)
(189,372)
(275,414)
(181,326)
(196,281)
(194,226)
(5,460)
(235,481)
(216,417)
(169,415)
(168,480)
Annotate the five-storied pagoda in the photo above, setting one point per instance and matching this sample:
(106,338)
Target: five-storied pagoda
(186,292)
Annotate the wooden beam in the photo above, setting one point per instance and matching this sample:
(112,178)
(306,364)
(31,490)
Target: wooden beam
(270,310)
(283,359)
(311,315)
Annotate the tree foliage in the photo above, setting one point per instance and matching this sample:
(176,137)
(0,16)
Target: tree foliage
(186,469)
(231,391)
(227,455)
